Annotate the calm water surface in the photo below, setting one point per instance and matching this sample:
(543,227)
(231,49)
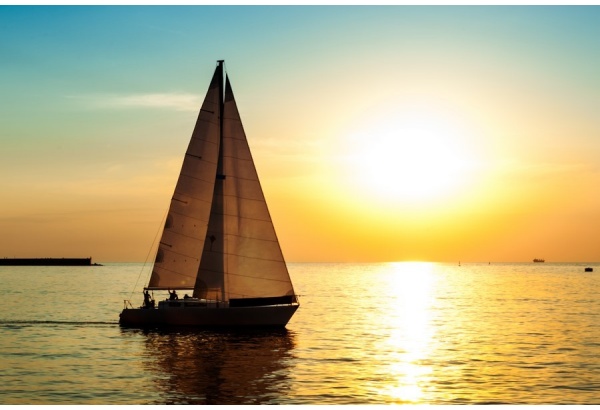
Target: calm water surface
(364,334)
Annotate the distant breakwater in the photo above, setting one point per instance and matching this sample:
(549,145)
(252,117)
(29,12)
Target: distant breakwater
(47,262)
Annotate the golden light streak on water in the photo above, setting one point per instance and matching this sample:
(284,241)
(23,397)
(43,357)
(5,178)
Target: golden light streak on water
(410,331)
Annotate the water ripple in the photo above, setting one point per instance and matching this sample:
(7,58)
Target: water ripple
(404,333)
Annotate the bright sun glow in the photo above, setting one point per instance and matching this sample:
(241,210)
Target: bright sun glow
(413,157)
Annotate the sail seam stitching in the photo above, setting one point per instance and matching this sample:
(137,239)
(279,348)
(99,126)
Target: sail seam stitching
(248,257)
(209,181)
(187,216)
(172,271)
(243,217)
(253,237)
(187,236)
(189,196)
(246,276)
(201,158)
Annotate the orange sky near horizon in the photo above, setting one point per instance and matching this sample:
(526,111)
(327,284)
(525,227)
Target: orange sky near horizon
(382,134)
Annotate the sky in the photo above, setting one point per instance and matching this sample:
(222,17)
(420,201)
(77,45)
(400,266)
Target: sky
(380,133)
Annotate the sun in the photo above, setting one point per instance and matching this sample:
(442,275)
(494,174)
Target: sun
(413,157)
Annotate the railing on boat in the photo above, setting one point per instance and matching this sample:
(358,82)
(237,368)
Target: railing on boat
(189,302)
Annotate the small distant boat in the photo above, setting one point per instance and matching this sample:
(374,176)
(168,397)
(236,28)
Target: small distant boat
(218,241)
(589,269)
(539,260)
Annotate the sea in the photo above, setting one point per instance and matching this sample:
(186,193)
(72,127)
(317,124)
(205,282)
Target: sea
(370,334)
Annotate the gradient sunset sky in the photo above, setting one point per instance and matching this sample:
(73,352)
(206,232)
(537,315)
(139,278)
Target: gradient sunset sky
(380,133)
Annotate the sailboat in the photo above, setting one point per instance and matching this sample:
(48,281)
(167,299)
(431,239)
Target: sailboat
(218,242)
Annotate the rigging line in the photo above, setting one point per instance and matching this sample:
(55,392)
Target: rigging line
(149,251)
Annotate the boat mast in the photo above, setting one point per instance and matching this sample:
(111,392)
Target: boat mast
(220,170)
(221,99)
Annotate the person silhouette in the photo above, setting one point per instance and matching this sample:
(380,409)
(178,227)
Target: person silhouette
(148,302)
(173,295)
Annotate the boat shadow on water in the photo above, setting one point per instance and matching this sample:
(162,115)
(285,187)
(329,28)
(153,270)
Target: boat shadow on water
(218,366)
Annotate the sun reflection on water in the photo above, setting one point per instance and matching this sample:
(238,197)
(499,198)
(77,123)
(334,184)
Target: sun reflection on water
(410,330)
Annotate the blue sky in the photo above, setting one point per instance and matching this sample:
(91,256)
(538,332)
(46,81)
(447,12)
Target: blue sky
(98,103)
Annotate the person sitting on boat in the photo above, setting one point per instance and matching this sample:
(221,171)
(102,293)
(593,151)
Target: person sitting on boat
(186,296)
(148,302)
(173,295)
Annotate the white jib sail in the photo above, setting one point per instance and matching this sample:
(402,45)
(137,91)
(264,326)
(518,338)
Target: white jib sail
(242,257)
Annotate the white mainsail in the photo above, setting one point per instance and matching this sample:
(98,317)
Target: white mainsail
(182,241)
(219,237)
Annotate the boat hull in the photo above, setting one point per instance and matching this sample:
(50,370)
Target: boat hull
(255,316)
